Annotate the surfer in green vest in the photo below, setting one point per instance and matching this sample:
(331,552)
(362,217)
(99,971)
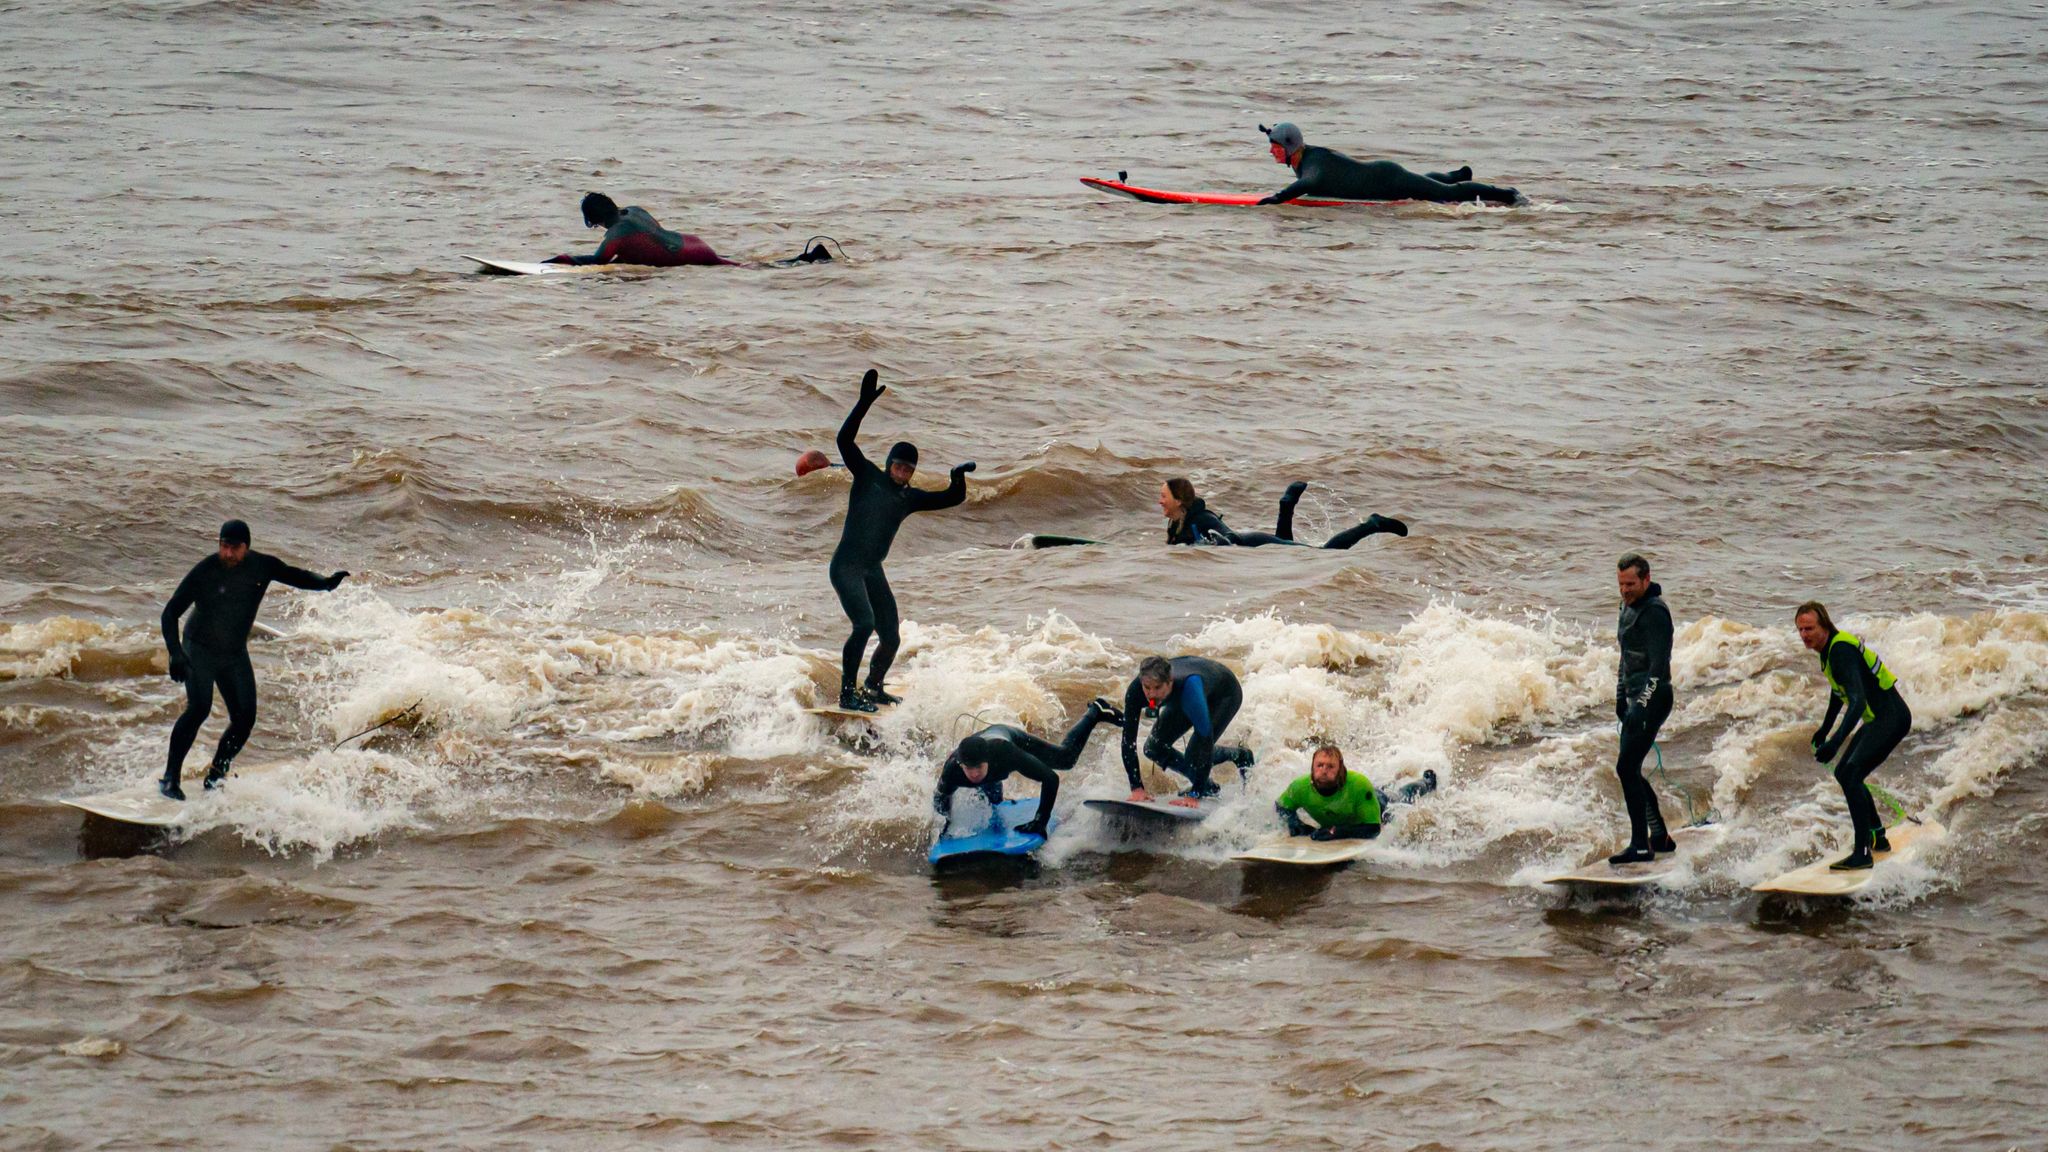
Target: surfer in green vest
(1325,174)
(1642,702)
(1860,690)
(1334,803)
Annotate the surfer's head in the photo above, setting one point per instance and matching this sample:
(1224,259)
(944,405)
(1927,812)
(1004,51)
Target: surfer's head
(234,542)
(1816,628)
(1285,140)
(902,462)
(599,211)
(1632,576)
(1155,679)
(973,757)
(1326,769)
(1176,496)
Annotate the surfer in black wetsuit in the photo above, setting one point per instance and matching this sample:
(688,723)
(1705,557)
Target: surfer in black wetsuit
(1189,521)
(1000,751)
(223,592)
(632,236)
(1324,174)
(1642,702)
(1862,689)
(1187,694)
(875,508)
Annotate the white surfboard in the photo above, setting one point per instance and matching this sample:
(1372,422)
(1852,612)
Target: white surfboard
(837,713)
(1303,851)
(1598,873)
(142,804)
(528,268)
(1155,811)
(1908,840)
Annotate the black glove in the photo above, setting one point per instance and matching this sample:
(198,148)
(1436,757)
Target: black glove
(959,468)
(1031,828)
(178,668)
(871,387)
(335,580)
(1620,706)
(1814,743)
(1826,752)
(1323,834)
(1273,199)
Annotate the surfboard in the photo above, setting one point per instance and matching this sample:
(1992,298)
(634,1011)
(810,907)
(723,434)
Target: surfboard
(1908,841)
(1043,540)
(1228,199)
(1303,852)
(492,267)
(1155,811)
(1598,873)
(143,805)
(998,837)
(834,712)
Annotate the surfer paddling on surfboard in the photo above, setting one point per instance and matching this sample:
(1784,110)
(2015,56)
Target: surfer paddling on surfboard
(1642,702)
(223,593)
(1189,521)
(1000,751)
(1324,174)
(1334,803)
(1860,688)
(875,508)
(1192,696)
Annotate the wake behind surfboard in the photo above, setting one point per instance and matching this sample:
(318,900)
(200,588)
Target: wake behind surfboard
(1225,199)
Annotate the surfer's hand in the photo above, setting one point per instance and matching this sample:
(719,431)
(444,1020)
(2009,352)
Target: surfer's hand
(178,669)
(961,468)
(1620,708)
(871,387)
(1031,828)
(1140,796)
(1324,834)
(1273,199)
(335,580)
(562,259)
(1826,752)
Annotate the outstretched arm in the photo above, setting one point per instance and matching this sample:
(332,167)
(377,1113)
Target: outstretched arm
(1293,191)
(955,494)
(849,433)
(292,577)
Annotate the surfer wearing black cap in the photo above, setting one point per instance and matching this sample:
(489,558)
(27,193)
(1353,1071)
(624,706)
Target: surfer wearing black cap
(1325,174)
(223,593)
(1187,694)
(875,508)
(632,236)
(1000,751)
(1189,521)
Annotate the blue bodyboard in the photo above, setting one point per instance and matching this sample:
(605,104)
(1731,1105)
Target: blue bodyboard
(995,838)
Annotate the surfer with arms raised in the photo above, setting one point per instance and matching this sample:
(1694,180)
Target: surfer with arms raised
(1325,174)
(1192,696)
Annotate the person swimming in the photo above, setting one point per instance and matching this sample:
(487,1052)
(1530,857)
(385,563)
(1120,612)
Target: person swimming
(1326,174)
(632,236)
(1189,521)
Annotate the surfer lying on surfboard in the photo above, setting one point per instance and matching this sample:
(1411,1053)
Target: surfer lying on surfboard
(1189,521)
(1860,688)
(633,236)
(1322,173)
(1191,696)
(1000,751)
(1339,804)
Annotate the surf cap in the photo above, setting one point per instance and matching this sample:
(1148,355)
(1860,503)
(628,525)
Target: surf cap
(904,451)
(1285,135)
(234,532)
(810,462)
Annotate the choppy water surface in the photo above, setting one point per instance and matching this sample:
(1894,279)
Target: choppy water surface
(1775,317)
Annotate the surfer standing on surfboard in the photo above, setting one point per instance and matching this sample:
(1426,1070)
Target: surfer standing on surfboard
(875,507)
(1325,174)
(1642,702)
(1000,751)
(1187,694)
(1343,804)
(1189,521)
(632,236)
(223,593)
(1860,688)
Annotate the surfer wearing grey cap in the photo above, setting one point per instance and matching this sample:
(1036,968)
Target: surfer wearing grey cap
(1325,174)
(223,593)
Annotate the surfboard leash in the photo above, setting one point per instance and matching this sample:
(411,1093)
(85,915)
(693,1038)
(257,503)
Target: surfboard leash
(411,709)
(1891,802)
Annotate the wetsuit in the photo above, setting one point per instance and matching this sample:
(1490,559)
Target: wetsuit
(1324,174)
(215,650)
(1860,688)
(1352,812)
(1642,702)
(875,508)
(1015,752)
(1203,698)
(1198,525)
(637,238)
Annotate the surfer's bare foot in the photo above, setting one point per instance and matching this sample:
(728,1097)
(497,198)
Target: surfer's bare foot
(1140,796)
(1185,802)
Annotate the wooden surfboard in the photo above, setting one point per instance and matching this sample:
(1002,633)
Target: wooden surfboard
(1908,841)
(1598,873)
(141,804)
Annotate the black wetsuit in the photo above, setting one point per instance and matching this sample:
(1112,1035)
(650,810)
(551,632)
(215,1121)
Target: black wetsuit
(215,649)
(1642,702)
(1888,723)
(1324,174)
(1199,525)
(1214,698)
(637,238)
(1015,752)
(875,509)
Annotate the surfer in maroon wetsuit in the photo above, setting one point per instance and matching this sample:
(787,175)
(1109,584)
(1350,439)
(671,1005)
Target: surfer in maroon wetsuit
(632,236)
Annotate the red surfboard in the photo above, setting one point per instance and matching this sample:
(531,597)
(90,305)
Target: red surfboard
(1231,199)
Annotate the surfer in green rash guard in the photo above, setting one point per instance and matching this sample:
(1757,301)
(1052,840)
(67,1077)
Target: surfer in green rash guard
(1860,689)
(1326,174)
(1343,804)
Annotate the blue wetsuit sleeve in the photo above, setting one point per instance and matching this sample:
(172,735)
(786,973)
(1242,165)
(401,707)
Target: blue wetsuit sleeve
(1134,712)
(1195,703)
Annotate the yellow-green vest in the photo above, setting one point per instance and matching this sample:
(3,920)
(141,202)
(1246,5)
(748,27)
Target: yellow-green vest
(1885,679)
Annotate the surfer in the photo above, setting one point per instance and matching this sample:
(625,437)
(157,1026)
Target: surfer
(1860,687)
(1000,751)
(1642,701)
(1324,174)
(1189,521)
(1343,804)
(223,592)
(875,507)
(632,236)
(1186,694)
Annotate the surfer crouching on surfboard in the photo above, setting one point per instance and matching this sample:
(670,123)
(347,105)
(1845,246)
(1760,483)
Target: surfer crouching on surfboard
(223,593)
(1000,751)
(1860,688)
(1192,696)
(632,236)
(1325,174)
(1343,804)
(1189,521)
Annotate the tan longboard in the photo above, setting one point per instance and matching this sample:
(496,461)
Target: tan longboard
(1908,841)
(1598,873)
(143,805)
(1303,851)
